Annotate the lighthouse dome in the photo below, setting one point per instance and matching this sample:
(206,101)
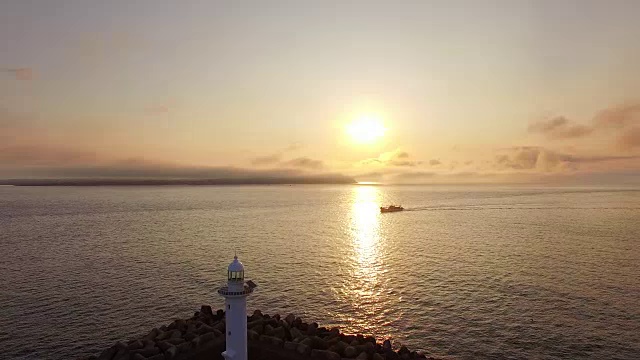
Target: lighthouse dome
(235,270)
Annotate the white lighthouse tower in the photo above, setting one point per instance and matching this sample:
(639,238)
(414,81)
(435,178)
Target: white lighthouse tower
(235,294)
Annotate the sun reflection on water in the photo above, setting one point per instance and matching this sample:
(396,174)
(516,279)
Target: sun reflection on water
(365,291)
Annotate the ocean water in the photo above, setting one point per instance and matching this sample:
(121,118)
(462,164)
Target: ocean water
(465,273)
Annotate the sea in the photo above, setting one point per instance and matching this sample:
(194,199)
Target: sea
(465,272)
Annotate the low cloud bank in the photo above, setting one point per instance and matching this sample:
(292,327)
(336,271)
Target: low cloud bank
(149,174)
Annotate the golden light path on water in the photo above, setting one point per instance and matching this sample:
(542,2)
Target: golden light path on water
(365,289)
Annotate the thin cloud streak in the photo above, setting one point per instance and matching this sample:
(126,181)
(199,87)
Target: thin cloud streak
(24,74)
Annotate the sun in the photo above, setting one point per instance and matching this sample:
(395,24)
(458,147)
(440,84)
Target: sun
(366,129)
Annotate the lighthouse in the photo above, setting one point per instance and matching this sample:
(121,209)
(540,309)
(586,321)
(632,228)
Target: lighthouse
(235,294)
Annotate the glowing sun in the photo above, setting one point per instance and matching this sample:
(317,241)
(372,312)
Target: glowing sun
(365,129)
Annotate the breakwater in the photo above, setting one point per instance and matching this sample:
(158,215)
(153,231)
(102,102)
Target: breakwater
(269,337)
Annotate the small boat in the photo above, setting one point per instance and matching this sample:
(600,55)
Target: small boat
(391,208)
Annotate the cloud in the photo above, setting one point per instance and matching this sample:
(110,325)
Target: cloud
(43,155)
(630,139)
(404,163)
(619,116)
(534,158)
(141,172)
(266,160)
(276,157)
(304,162)
(295,146)
(560,128)
(617,121)
(435,162)
(413,176)
(392,158)
(25,73)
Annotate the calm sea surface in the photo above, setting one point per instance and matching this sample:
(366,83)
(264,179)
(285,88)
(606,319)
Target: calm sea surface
(467,272)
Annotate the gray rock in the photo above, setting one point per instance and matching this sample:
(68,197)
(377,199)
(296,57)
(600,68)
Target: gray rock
(123,353)
(312,329)
(148,352)
(377,356)
(319,343)
(363,356)
(295,333)
(202,339)
(340,346)
(220,326)
(350,352)
(303,349)
(175,334)
(258,328)
(138,357)
(175,341)
(138,344)
(256,322)
(290,319)
(369,347)
(271,340)
(288,345)
(178,324)
(203,329)
(164,345)
(268,329)
(152,334)
(252,335)
(123,356)
(386,345)
(171,353)
(206,310)
(391,355)
(278,332)
(324,355)
(156,357)
(355,343)
(257,314)
(184,347)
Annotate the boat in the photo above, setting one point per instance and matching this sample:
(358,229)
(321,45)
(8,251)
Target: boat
(391,208)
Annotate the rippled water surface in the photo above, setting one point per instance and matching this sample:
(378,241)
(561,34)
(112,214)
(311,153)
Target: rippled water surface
(466,272)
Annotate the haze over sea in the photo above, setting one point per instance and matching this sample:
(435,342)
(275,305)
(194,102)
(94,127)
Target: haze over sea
(467,272)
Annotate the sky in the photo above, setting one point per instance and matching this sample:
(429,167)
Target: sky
(466,91)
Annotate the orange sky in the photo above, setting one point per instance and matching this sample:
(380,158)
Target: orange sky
(468,91)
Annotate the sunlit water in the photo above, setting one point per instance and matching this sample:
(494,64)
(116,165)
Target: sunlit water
(466,272)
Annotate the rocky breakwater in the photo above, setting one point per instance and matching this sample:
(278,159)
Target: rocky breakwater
(269,337)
